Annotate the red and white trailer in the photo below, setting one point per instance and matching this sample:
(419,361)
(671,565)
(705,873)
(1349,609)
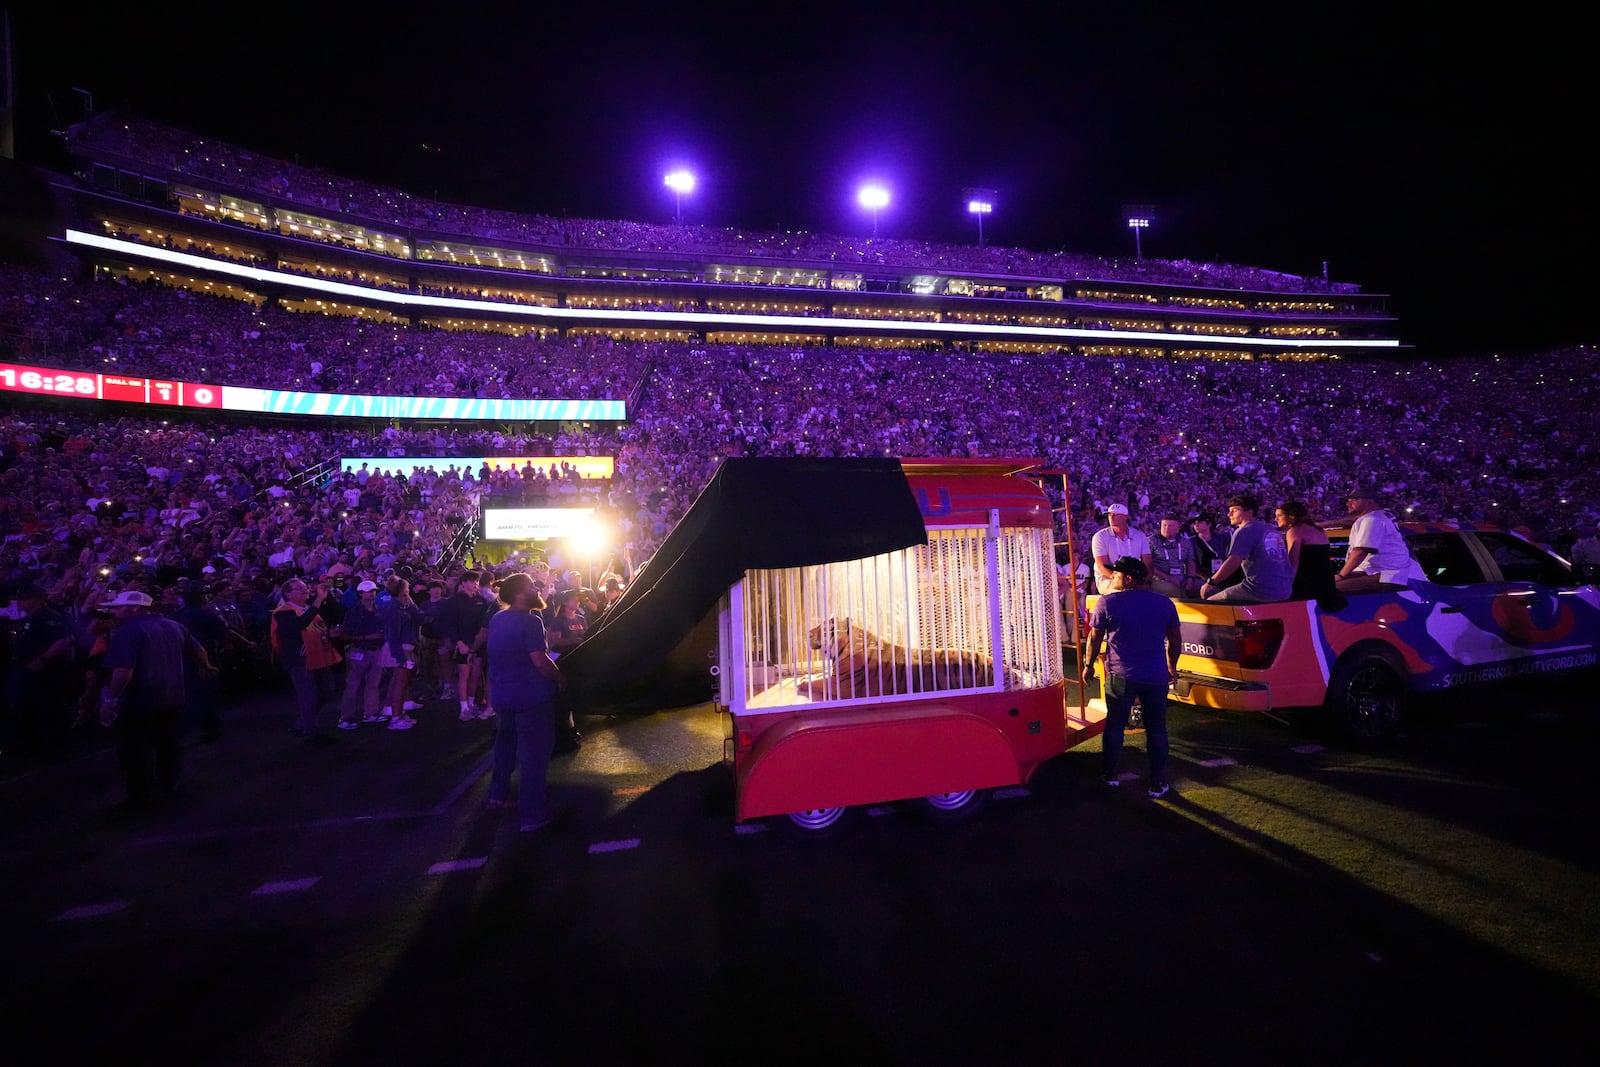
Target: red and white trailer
(931,674)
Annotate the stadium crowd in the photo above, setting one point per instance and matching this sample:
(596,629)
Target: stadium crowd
(231,167)
(92,507)
(1446,439)
(221,516)
(161,331)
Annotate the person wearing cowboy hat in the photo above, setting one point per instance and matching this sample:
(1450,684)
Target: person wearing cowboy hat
(1378,558)
(144,696)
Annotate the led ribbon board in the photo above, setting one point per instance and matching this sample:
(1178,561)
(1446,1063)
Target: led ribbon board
(85,385)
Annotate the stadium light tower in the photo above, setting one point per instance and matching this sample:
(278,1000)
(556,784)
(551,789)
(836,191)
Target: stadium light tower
(980,202)
(1138,217)
(680,181)
(874,198)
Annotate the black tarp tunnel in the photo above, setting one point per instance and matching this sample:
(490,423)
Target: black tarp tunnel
(757,513)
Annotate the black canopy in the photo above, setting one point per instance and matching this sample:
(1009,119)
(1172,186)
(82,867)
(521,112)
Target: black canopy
(654,645)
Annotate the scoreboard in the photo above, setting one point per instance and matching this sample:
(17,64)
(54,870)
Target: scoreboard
(131,389)
(42,381)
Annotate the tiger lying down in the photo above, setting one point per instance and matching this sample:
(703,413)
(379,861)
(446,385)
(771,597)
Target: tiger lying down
(865,665)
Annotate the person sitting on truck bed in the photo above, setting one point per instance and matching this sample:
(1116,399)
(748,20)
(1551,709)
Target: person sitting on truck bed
(1114,541)
(1310,555)
(1210,546)
(1378,558)
(1176,573)
(1258,549)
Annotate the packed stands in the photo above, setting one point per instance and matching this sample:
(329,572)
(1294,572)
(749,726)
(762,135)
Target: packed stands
(96,496)
(1448,439)
(147,144)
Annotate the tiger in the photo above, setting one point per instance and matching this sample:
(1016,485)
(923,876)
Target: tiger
(865,665)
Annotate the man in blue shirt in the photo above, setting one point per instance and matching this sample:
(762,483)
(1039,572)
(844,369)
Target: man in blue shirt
(1259,550)
(523,682)
(1139,629)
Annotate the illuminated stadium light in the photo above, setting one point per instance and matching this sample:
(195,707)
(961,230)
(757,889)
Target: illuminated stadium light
(680,182)
(874,198)
(980,202)
(1138,217)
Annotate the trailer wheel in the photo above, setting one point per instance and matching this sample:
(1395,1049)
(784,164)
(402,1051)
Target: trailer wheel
(1367,691)
(815,821)
(950,807)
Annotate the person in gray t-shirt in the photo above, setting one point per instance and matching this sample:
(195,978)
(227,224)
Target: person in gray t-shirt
(1259,549)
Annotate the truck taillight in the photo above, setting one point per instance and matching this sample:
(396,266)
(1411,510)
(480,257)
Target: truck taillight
(1259,641)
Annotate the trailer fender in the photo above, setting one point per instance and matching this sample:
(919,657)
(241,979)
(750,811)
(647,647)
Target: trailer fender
(872,755)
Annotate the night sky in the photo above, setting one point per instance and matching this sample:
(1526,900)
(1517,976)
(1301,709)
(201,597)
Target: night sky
(1442,162)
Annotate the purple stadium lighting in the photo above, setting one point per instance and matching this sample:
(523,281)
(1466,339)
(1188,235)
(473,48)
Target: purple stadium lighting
(874,198)
(680,182)
(980,202)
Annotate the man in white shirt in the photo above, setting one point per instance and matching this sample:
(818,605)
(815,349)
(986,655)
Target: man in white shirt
(1378,558)
(1114,541)
(282,554)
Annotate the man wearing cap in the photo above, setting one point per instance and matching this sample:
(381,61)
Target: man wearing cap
(145,693)
(1210,545)
(1586,557)
(1378,558)
(1176,573)
(1139,629)
(1112,542)
(39,678)
(361,631)
(1259,551)
(282,554)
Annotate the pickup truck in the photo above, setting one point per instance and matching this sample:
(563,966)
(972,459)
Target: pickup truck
(1494,607)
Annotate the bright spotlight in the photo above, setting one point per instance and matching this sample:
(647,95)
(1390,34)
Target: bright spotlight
(873,197)
(681,182)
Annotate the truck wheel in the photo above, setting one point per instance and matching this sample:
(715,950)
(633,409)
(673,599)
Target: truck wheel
(816,821)
(1367,692)
(950,807)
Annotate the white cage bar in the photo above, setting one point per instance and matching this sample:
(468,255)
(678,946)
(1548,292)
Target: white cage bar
(972,610)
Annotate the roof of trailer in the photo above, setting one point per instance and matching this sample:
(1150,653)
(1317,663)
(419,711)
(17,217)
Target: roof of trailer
(968,465)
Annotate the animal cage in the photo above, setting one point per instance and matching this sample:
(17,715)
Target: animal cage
(899,626)
(933,671)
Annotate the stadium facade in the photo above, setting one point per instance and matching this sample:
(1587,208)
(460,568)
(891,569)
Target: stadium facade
(152,203)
